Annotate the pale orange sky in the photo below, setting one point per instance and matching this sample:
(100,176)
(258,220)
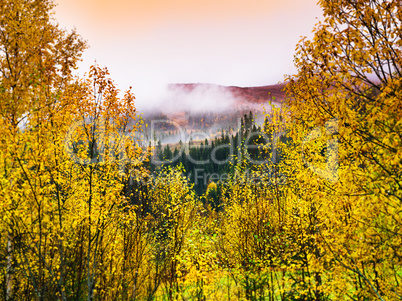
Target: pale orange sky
(147,44)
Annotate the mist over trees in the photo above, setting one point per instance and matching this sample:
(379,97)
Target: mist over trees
(215,159)
(309,208)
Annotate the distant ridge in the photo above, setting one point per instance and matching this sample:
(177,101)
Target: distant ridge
(243,95)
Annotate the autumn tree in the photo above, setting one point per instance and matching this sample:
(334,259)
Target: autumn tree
(36,61)
(347,92)
(66,157)
(173,213)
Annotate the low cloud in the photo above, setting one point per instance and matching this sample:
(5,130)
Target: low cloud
(192,98)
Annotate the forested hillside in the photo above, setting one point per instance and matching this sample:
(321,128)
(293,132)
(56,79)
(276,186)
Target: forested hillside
(215,159)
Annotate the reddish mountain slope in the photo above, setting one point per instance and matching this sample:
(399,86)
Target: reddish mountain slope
(242,95)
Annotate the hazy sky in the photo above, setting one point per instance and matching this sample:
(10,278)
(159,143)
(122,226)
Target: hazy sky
(149,43)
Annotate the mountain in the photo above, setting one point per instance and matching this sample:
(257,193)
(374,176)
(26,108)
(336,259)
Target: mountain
(241,95)
(209,109)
